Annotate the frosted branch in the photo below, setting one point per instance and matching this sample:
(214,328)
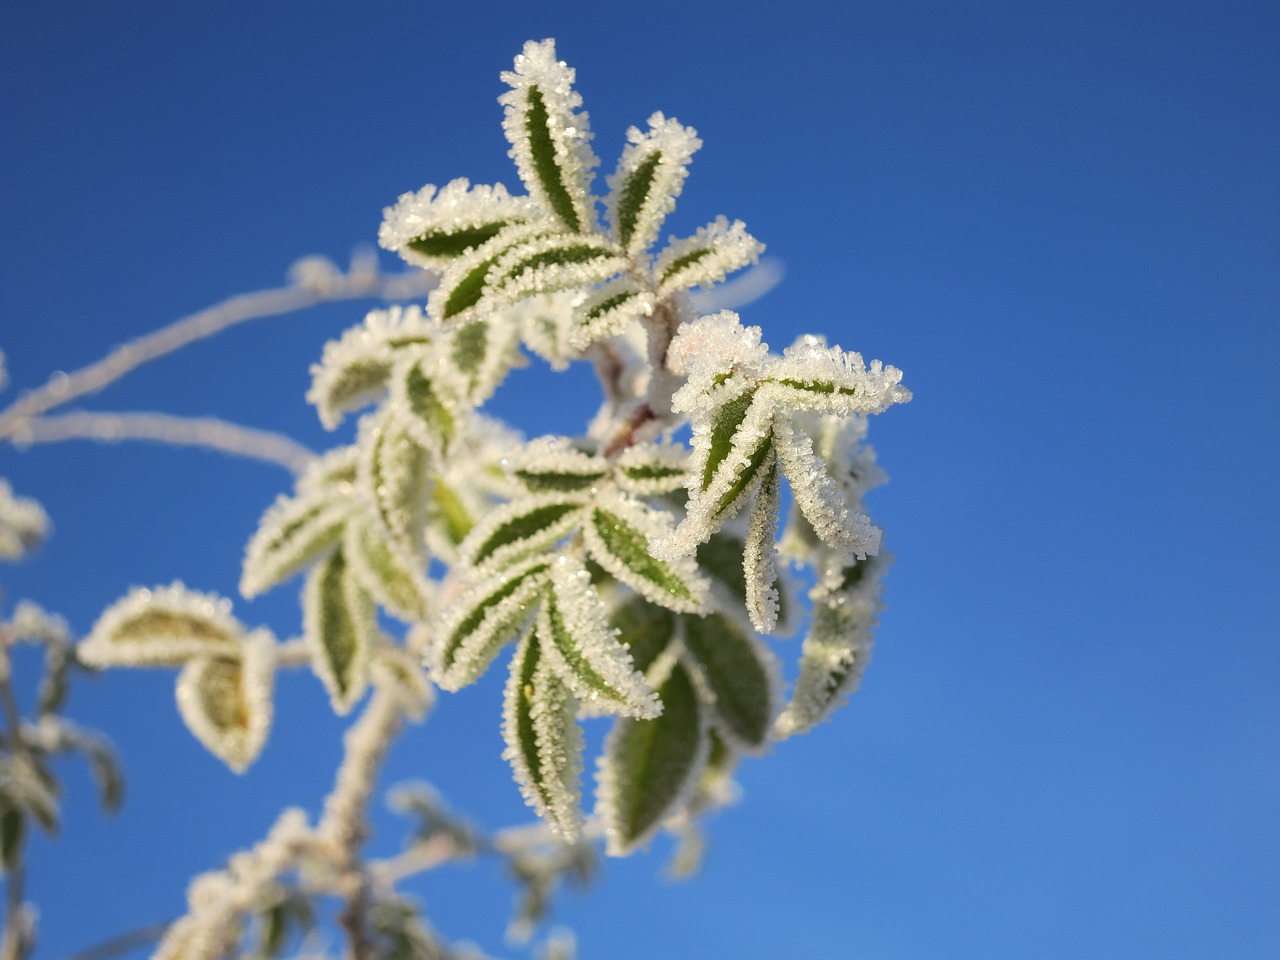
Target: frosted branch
(210,433)
(313,286)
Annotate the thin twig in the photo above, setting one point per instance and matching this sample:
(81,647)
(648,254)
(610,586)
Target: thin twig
(63,388)
(209,433)
(123,942)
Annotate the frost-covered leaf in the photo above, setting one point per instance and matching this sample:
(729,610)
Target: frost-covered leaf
(553,465)
(549,135)
(544,264)
(523,526)
(23,523)
(649,767)
(544,742)
(759,558)
(226,701)
(292,534)
(547,323)
(652,469)
(393,580)
(739,672)
(607,312)
(720,358)
(645,629)
(394,475)
(812,376)
(27,784)
(12,833)
(733,448)
(448,515)
(707,257)
(482,352)
(837,647)
(398,669)
(165,627)
(431,229)
(353,371)
(573,628)
(426,401)
(467,277)
(490,610)
(650,175)
(618,535)
(339,626)
(823,501)
(331,474)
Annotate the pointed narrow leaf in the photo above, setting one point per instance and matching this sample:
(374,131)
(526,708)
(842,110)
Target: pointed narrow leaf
(837,647)
(544,742)
(650,175)
(294,533)
(651,469)
(353,371)
(483,352)
(226,701)
(393,475)
(618,536)
(162,627)
(707,257)
(759,559)
(393,580)
(577,640)
(426,402)
(448,514)
(490,611)
(728,476)
(823,501)
(552,465)
(523,526)
(432,229)
(812,376)
(549,135)
(650,767)
(546,264)
(739,672)
(338,619)
(645,629)
(608,311)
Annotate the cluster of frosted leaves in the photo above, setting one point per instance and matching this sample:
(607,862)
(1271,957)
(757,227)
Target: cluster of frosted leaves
(497,251)
(751,415)
(23,523)
(225,681)
(358,524)
(603,628)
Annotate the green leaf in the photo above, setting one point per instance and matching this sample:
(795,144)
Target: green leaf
(736,671)
(574,630)
(542,149)
(544,742)
(489,613)
(521,527)
(447,512)
(649,766)
(293,533)
(645,629)
(338,617)
(428,408)
(633,195)
(390,578)
(726,423)
(445,244)
(622,548)
(165,626)
(394,474)
(226,702)
(13,830)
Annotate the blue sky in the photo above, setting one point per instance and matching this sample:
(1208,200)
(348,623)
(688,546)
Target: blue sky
(1062,221)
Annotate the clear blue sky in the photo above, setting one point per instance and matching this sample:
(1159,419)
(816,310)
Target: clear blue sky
(1061,220)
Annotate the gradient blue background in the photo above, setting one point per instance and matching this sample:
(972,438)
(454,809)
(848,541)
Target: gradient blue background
(1061,220)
